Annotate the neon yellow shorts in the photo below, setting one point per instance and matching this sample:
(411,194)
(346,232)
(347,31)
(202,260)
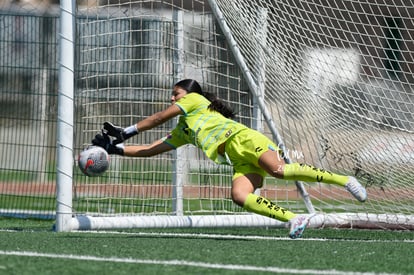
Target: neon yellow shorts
(244,150)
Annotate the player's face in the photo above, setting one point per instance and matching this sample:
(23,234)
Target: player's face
(177,94)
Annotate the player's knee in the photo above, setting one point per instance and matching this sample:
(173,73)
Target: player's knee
(244,185)
(272,163)
(238,197)
(277,172)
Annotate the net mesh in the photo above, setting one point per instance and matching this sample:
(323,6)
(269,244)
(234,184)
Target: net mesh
(130,56)
(337,80)
(339,83)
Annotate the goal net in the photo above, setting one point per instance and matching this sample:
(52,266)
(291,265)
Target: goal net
(330,81)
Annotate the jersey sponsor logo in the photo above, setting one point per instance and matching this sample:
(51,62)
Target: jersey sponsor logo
(228,133)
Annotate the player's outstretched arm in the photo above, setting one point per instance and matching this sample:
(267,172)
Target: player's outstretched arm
(153,149)
(159,118)
(121,134)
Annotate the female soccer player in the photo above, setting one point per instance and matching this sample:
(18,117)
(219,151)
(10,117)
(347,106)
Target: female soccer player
(205,121)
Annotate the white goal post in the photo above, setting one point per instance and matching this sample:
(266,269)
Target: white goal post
(330,82)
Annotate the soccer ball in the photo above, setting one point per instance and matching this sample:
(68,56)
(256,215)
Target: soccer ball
(93,161)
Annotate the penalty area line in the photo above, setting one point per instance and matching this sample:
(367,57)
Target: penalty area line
(271,269)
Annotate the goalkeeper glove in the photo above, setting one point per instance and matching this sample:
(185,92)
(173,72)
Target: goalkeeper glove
(104,141)
(120,134)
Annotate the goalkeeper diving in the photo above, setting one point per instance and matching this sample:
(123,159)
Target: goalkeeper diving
(206,122)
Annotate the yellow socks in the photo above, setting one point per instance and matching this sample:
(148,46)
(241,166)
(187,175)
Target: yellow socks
(263,206)
(293,171)
(308,173)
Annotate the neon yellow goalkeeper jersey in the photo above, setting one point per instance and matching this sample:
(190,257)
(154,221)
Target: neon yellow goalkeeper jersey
(202,127)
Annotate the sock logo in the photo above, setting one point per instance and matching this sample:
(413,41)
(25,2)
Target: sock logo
(271,206)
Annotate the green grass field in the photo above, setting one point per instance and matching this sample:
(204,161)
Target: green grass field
(31,247)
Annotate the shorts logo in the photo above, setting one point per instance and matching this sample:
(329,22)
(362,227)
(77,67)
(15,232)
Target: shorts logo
(258,149)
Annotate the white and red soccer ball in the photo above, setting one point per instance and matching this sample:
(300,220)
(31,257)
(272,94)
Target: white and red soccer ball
(93,161)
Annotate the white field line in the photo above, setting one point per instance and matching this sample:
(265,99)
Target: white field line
(272,269)
(228,236)
(239,237)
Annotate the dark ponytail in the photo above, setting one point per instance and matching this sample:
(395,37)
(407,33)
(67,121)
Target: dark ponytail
(218,105)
